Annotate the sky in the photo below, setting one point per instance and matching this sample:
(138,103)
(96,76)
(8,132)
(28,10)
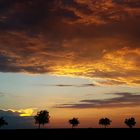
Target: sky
(74,58)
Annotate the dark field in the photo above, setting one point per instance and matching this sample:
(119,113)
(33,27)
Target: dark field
(90,133)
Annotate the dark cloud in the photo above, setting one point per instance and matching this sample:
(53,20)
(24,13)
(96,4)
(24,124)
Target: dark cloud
(25,13)
(124,99)
(103,12)
(73,85)
(15,121)
(129,3)
(90,38)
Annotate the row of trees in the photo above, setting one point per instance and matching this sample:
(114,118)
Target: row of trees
(42,117)
(105,122)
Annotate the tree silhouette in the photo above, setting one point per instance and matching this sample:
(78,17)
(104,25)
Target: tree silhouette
(42,117)
(130,122)
(2,122)
(105,122)
(74,122)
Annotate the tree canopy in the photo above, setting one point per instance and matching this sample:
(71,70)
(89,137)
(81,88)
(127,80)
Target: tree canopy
(74,122)
(130,122)
(105,122)
(2,122)
(42,117)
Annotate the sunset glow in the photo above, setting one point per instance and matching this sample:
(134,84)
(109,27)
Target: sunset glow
(74,58)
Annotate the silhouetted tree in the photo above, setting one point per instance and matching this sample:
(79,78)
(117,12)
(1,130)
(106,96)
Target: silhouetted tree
(42,117)
(130,122)
(105,122)
(2,122)
(74,122)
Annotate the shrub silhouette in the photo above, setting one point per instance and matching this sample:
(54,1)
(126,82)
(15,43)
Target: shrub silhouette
(130,122)
(2,122)
(74,122)
(105,122)
(42,117)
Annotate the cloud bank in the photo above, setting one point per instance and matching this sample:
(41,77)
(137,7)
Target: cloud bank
(96,39)
(16,120)
(123,100)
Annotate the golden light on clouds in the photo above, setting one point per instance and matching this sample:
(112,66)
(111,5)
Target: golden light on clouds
(23,112)
(120,66)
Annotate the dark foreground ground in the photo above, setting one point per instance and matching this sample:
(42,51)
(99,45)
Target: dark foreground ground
(91,133)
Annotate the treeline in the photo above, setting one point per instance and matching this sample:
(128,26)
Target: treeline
(42,117)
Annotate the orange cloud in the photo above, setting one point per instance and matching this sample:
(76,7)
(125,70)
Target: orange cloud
(103,11)
(105,65)
(45,42)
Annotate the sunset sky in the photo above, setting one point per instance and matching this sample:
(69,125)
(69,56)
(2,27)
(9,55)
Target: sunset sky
(75,58)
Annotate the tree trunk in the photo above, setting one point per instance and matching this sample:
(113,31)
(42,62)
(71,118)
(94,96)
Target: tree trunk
(39,126)
(72,126)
